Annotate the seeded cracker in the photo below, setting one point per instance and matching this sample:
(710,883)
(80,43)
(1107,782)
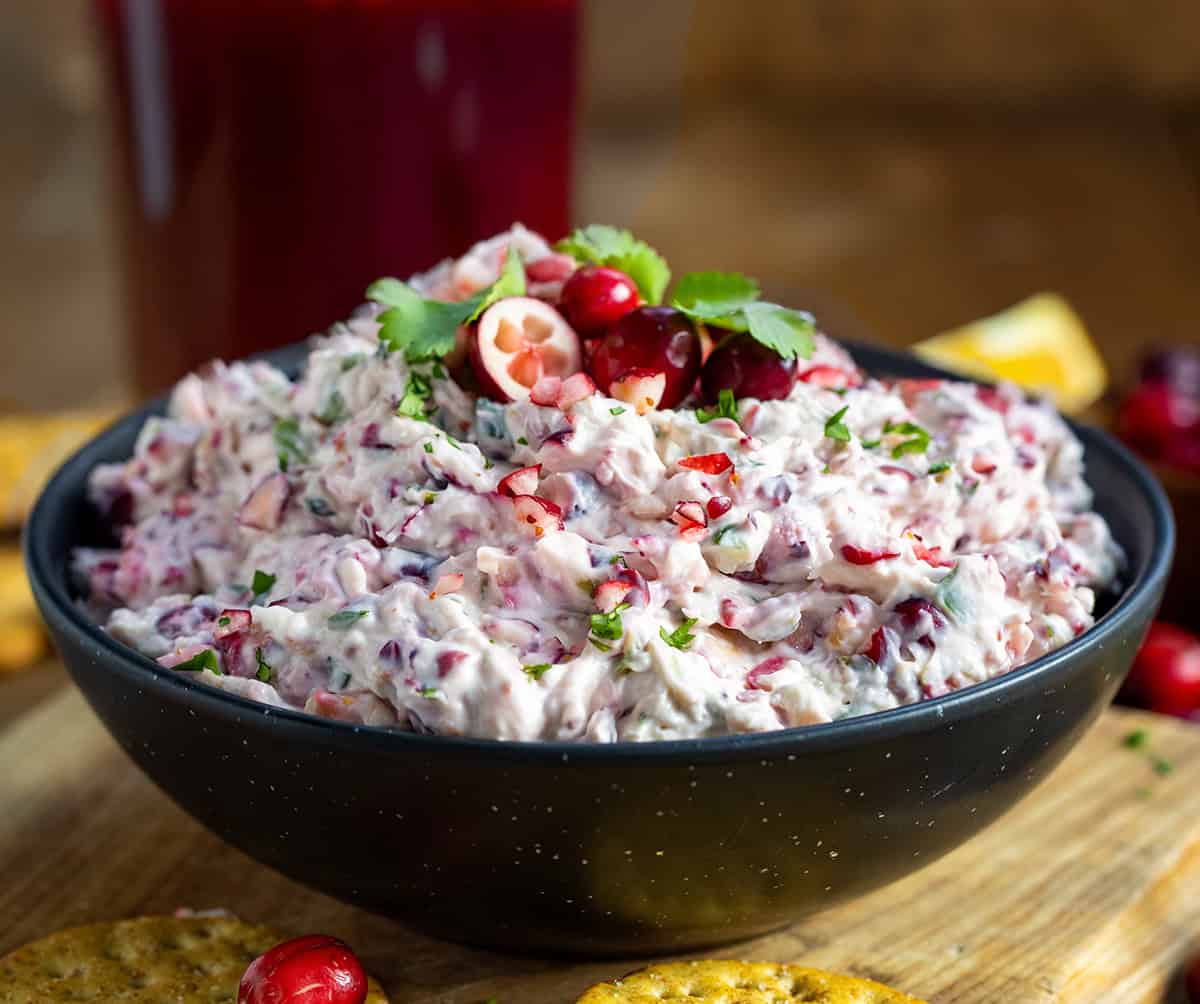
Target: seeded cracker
(725,982)
(147,960)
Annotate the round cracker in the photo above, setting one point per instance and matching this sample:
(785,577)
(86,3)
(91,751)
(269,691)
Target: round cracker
(147,960)
(718,981)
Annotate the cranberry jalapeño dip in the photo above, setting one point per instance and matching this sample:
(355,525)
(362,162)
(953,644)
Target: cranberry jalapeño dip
(531,495)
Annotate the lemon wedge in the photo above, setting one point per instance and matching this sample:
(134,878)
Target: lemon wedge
(1040,344)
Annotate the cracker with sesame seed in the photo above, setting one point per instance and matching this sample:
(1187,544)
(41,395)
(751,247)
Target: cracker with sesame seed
(715,981)
(148,960)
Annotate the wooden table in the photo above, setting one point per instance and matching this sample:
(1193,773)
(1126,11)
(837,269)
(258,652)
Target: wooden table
(1084,893)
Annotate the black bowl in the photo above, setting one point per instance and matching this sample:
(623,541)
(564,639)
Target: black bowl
(603,849)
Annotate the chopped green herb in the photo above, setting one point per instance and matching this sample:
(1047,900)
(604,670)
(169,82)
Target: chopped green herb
(200,661)
(603,245)
(1162,766)
(318,506)
(731,301)
(536,671)
(429,692)
(608,626)
(835,428)
(416,395)
(1136,740)
(429,447)
(522,441)
(726,408)
(946,595)
(453,442)
(289,443)
(940,467)
(223,622)
(430,498)
(587,585)
(334,410)
(438,370)
(600,645)
(618,410)
(262,583)
(617,559)
(352,360)
(917,444)
(681,637)
(344,618)
(427,329)
(724,532)
(264,672)
(870,444)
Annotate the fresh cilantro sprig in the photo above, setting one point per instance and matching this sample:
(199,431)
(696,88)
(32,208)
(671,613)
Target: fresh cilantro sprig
(681,637)
(726,408)
(731,301)
(426,329)
(598,244)
(200,661)
(835,428)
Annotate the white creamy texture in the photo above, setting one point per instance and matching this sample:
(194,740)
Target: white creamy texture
(972,570)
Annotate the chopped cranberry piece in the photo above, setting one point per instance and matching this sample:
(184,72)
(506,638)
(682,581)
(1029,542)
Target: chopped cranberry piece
(931,555)
(553,267)
(263,508)
(451,582)
(707,463)
(910,612)
(829,376)
(446,661)
(523,481)
(898,471)
(545,391)
(575,388)
(718,506)
(232,621)
(981,465)
(691,519)
(539,514)
(866,556)
(877,647)
(993,399)
(764,668)
(643,388)
(611,594)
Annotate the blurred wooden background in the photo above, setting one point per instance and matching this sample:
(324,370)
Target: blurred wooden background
(900,166)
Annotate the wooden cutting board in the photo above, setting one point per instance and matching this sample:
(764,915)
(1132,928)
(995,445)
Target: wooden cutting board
(1087,892)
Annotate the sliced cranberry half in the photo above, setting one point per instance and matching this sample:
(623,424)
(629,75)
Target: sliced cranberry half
(518,341)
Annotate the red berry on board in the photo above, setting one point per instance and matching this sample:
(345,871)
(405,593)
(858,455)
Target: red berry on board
(1166,671)
(1155,415)
(594,298)
(314,969)
(742,364)
(660,339)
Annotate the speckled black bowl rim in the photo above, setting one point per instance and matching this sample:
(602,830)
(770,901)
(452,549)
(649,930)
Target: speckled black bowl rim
(50,585)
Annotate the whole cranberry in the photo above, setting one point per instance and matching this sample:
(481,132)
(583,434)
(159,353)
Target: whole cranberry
(1154,415)
(653,338)
(595,297)
(1177,367)
(314,969)
(744,365)
(1166,672)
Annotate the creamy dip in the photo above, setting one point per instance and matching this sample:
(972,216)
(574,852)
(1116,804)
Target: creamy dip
(837,552)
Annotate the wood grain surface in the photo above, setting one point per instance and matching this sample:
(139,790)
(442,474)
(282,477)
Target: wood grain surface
(1081,894)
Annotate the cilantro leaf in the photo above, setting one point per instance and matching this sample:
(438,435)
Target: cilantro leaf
(262,583)
(416,394)
(289,442)
(618,410)
(730,300)
(608,626)
(349,362)
(835,428)
(427,329)
(200,661)
(264,672)
(537,671)
(604,245)
(681,637)
(344,618)
(334,410)
(726,408)
(1136,740)
(946,594)
(429,693)
(940,467)
(919,442)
